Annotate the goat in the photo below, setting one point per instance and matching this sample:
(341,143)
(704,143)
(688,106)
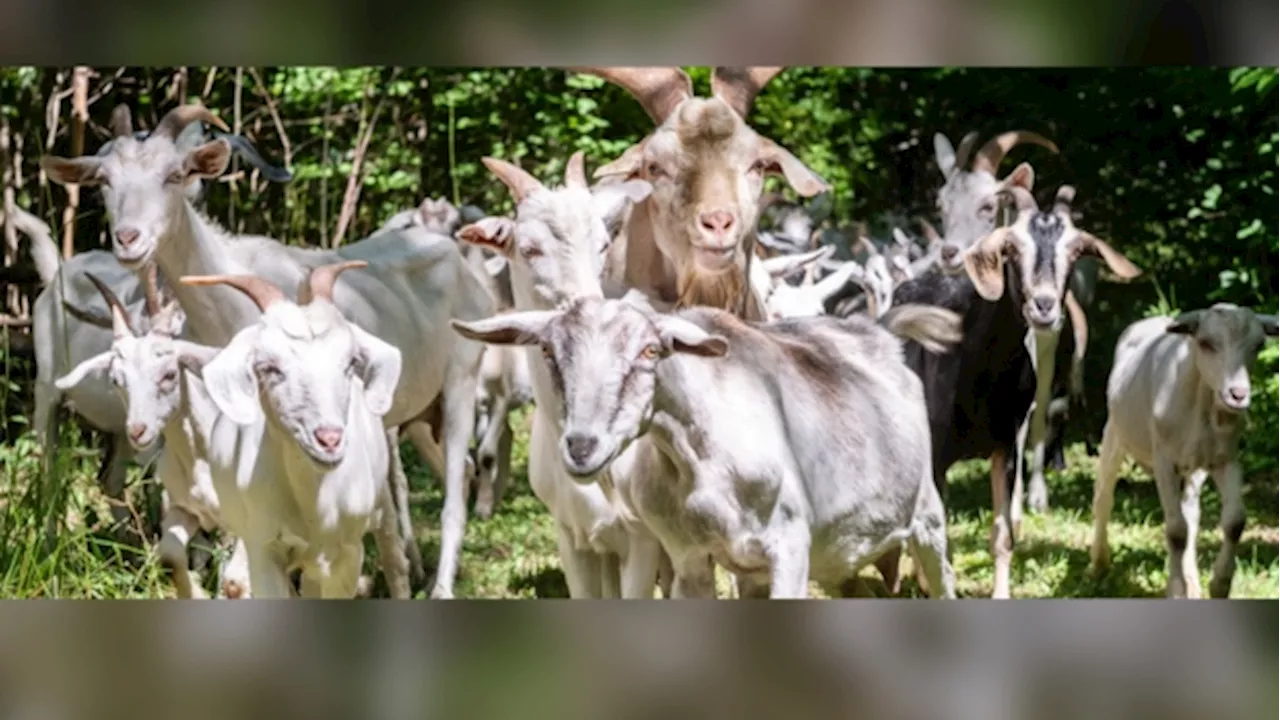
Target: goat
(1177,399)
(691,240)
(978,397)
(969,202)
(303,390)
(419,280)
(881,273)
(783,300)
(742,468)
(555,247)
(63,341)
(164,400)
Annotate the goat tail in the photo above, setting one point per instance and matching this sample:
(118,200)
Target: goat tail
(935,329)
(44,251)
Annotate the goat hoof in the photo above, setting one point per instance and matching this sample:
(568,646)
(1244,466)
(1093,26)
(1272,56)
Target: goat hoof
(1219,589)
(233,590)
(440,593)
(1037,502)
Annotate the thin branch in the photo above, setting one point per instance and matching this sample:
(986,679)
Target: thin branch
(275,115)
(106,86)
(79,114)
(208,83)
(352,194)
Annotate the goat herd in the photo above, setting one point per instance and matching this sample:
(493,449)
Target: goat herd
(694,405)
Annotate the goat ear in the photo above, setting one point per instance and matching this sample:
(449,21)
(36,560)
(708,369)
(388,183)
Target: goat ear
(381,373)
(513,328)
(984,262)
(209,160)
(783,265)
(1023,176)
(230,381)
(779,161)
(627,164)
(837,280)
(495,233)
(1186,324)
(610,200)
(683,336)
(1269,324)
(944,153)
(85,171)
(1116,262)
(495,265)
(193,356)
(95,365)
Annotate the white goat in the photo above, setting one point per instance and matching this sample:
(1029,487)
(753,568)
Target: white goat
(302,392)
(418,283)
(151,372)
(1177,398)
(784,300)
(556,249)
(802,453)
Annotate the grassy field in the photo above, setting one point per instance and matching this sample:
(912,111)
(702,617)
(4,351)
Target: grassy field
(513,554)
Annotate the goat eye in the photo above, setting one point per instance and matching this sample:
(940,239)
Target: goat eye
(1206,345)
(175,177)
(269,369)
(653,169)
(651,352)
(530,251)
(757,167)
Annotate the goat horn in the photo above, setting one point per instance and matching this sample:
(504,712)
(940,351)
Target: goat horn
(96,319)
(659,89)
(120,322)
(177,119)
(121,121)
(150,290)
(261,292)
(1022,198)
(322,278)
(739,86)
(868,245)
(991,154)
(517,180)
(966,147)
(930,233)
(1062,201)
(574,176)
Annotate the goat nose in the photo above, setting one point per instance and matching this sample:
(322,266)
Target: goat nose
(136,431)
(949,252)
(1044,305)
(328,437)
(1238,394)
(718,222)
(127,236)
(580,446)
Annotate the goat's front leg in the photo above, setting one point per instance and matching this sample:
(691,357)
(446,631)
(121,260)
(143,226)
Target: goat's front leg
(391,551)
(1104,491)
(1230,481)
(789,572)
(459,420)
(581,567)
(1001,529)
(1191,515)
(640,569)
(1175,524)
(343,578)
(487,452)
(177,528)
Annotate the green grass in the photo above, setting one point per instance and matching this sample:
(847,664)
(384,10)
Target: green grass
(513,554)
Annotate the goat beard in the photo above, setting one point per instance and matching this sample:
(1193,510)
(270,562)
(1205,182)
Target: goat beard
(723,290)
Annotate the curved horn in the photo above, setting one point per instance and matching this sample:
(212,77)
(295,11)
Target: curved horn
(322,278)
(659,90)
(739,86)
(1062,201)
(574,176)
(261,292)
(989,157)
(120,322)
(180,117)
(519,182)
(930,233)
(966,147)
(1022,198)
(121,121)
(870,247)
(96,319)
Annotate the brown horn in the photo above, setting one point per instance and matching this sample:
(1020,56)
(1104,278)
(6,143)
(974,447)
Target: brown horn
(1062,201)
(1022,198)
(517,180)
(150,289)
(121,121)
(261,292)
(966,147)
(659,89)
(574,175)
(930,233)
(180,117)
(991,154)
(322,278)
(119,314)
(739,86)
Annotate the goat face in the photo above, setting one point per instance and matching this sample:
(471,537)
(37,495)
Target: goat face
(559,237)
(1045,247)
(1225,343)
(145,182)
(603,356)
(299,364)
(971,198)
(439,216)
